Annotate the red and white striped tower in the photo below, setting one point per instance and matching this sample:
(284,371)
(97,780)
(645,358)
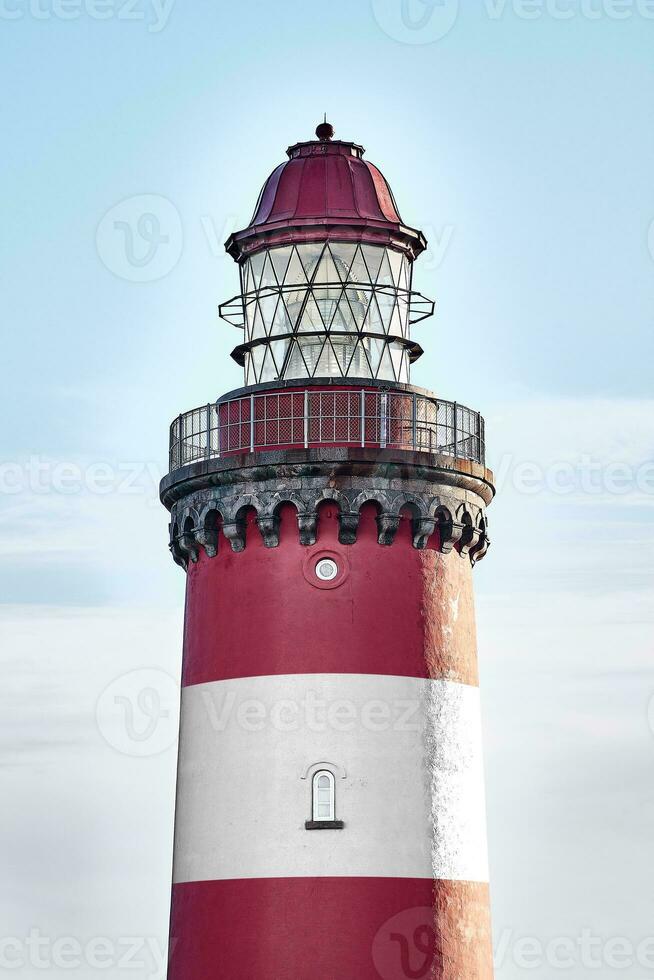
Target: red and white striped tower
(330,806)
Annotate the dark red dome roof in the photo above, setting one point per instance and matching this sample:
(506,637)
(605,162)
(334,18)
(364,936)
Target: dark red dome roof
(325,190)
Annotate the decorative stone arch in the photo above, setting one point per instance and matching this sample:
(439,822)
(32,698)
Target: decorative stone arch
(186,539)
(324,764)
(189,514)
(307,517)
(277,500)
(350,521)
(462,513)
(469,532)
(328,495)
(478,551)
(234,524)
(440,511)
(379,497)
(212,507)
(269,519)
(236,507)
(173,545)
(418,504)
(448,528)
(212,518)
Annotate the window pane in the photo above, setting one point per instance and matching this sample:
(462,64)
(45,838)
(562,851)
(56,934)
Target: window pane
(342,254)
(295,271)
(256,268)
(309,254)
(250,310)
(323,796)
(326,271)
(279,258)
(359,269)
(373,255)
(268,277)
(358,301)
(395,259)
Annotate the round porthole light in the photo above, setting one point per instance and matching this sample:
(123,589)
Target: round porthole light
(326,569)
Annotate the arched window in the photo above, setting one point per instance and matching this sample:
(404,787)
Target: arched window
(324,802)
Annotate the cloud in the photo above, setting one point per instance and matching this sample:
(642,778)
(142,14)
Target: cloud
(85,831)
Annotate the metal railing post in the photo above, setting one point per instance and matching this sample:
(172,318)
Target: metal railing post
(456,438)
(363,418)
(306,419)
(181,447)
(414,427)
(208,434)
(251,423)
(384,410)
(219,439)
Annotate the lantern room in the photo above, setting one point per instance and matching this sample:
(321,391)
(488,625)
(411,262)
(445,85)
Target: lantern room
(326,272)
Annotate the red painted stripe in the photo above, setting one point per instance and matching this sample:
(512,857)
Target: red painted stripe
(330,929)
(398,610)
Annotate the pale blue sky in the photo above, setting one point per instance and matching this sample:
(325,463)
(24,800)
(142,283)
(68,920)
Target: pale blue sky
(525,149)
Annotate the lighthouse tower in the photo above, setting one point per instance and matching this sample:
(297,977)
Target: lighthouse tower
(330,806)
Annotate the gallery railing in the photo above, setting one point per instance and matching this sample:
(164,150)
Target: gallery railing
(314,417)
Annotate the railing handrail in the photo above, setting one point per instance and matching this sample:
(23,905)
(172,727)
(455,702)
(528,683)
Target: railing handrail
(379,417)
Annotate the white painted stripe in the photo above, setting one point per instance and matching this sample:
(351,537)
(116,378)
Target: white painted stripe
(406,753)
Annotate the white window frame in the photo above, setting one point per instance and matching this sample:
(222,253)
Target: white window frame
(332,796)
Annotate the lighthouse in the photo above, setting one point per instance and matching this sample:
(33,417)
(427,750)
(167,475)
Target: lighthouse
(330,818)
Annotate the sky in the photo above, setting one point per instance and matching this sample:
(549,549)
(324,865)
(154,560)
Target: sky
(519,136)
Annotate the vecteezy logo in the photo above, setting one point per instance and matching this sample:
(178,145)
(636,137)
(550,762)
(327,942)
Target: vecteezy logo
(140,239)
(416,21)
(137,713)
(405,947)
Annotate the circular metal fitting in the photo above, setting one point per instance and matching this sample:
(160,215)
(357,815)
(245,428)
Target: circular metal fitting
(326,569)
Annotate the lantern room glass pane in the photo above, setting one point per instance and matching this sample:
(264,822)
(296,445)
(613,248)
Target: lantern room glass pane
(342,254)
(317,302)
(311,256)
